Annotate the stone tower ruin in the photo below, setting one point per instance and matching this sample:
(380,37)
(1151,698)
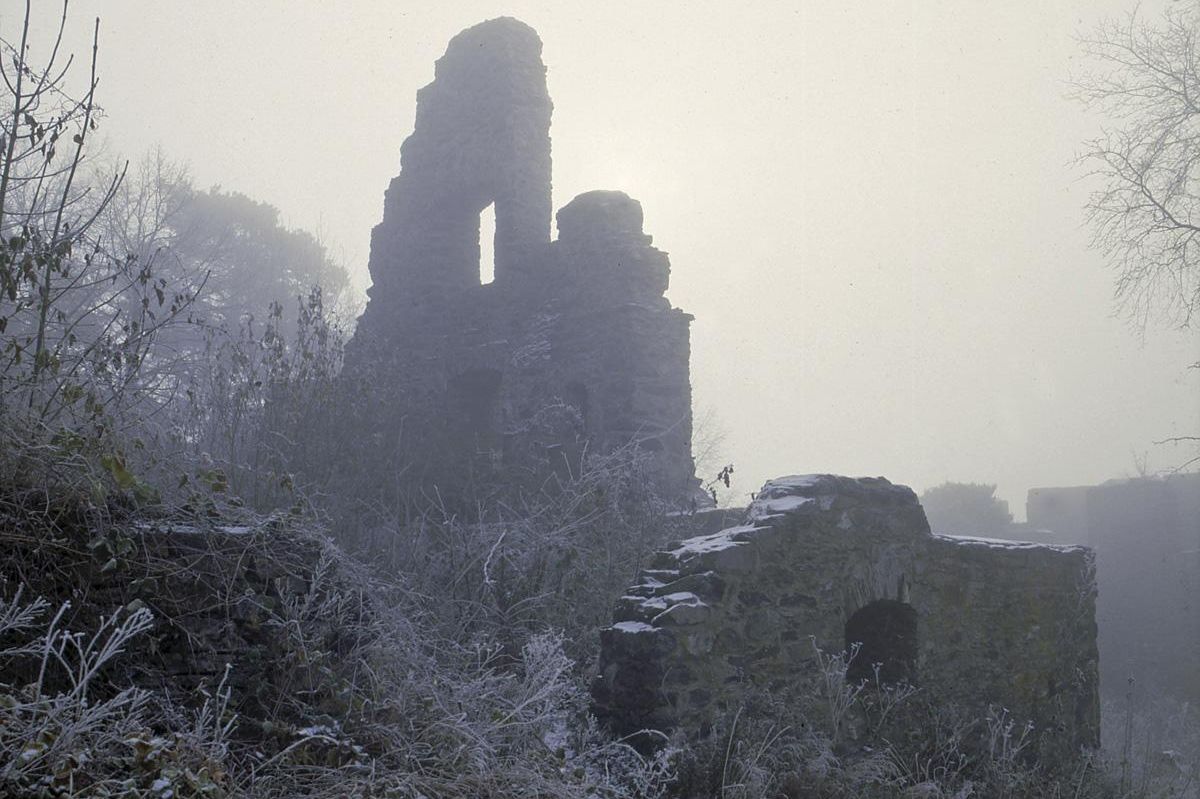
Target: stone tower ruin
(571,348)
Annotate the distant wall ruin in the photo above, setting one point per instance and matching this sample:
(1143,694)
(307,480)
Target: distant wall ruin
(1146,535)
(469,375)
(830,560)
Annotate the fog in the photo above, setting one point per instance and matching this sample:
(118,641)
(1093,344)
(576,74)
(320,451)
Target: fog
(872,210)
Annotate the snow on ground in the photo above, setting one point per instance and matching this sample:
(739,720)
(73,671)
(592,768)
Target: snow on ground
(796,481)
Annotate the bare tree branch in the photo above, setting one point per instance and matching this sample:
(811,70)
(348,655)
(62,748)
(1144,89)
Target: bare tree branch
(1145,215)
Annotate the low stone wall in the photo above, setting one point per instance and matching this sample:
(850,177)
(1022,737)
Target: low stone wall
(1146,535)
(220,594)
(822,558)
(1013,625)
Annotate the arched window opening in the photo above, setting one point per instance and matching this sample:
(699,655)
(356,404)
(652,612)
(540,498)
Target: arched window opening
(487,245)
(883,635)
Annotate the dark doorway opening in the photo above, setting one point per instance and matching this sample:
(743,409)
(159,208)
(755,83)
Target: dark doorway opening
(883,635)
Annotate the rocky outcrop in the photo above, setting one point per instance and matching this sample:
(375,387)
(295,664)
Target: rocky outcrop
(824,562)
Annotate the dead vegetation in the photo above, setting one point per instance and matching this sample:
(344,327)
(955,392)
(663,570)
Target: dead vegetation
(206,650)
(180,617)
(154,654)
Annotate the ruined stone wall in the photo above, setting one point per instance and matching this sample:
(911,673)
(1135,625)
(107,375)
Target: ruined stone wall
(1013,625)
(982,622)
(453,378)
(1146,535)
(481,136)
(220,594)
(1063,511)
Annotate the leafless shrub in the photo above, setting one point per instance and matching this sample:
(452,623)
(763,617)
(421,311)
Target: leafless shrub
(78,320)
(66,731)
(833,738)
(1151,744)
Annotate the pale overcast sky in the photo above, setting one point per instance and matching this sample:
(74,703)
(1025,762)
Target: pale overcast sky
(871,208)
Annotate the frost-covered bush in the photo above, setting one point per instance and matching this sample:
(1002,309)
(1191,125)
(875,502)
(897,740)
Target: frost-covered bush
(65,730)
(362,693)
(527,562)
(869,739)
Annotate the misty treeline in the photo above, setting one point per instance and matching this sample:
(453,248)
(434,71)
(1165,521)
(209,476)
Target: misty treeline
(170,372)
(140,318)
(966,509)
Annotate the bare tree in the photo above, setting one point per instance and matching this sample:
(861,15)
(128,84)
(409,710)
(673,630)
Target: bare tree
(1146,214)
(77,318)
(1145,77)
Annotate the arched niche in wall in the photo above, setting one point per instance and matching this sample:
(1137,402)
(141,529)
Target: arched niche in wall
(882,635)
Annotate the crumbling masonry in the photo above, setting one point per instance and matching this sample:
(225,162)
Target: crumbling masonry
(831,562)
(1146,536)
(571,346)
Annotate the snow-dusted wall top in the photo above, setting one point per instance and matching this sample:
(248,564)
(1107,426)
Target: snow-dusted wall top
(977,623)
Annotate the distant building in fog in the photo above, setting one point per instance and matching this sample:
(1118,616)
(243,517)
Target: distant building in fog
(1146,535)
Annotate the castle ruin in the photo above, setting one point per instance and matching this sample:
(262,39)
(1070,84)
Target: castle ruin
(832,564)
(1146,536)
(576,329)
(573,347)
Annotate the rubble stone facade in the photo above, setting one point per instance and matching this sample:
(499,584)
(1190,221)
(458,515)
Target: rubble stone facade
(1146,535)
(578,329)
(832,561)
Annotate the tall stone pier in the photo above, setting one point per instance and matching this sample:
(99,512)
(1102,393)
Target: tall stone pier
(571,349)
